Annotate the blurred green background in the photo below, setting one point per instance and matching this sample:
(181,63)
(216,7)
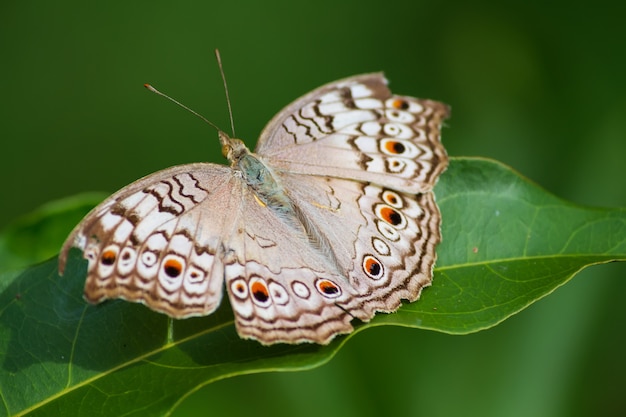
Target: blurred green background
(539,86)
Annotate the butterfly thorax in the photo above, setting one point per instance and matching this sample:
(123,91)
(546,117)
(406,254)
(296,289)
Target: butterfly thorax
(257,176)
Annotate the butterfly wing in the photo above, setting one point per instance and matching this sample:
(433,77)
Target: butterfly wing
(358,163)
(356,129)
(159,240)
(361,249)
(283,286)
(382,241)
(172,239)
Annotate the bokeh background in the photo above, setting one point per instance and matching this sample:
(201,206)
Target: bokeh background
(537,85)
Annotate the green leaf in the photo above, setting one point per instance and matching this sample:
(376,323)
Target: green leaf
(39,235)
(506,244)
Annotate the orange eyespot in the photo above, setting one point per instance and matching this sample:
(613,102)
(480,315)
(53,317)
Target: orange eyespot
(372,267)
(393,199)
(239,288)
(400,104)
(395,147)
(172,268)
(391,216)
(260,292)
(328,288)
(108,257)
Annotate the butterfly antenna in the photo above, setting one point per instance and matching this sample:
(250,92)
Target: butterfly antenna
(230,110)
(155,91)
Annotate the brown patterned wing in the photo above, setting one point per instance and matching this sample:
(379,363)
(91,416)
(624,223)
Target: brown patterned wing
(158,241)
(359,249)
(356,129)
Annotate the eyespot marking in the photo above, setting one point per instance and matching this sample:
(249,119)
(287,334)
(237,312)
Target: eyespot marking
(328,288)
(372,267)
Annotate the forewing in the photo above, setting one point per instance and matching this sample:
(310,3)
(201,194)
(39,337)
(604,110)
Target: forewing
(356,129)
(159,240)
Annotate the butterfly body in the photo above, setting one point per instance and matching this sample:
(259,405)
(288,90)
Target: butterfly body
(331,219)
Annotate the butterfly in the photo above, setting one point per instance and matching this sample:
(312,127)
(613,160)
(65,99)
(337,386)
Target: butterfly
(331,219)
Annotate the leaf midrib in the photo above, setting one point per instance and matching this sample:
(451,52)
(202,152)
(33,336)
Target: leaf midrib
(605,257)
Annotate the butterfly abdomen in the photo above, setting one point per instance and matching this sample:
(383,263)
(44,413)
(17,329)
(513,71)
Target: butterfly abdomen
(271,194)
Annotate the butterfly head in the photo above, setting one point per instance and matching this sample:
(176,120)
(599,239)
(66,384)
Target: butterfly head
(232,149)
